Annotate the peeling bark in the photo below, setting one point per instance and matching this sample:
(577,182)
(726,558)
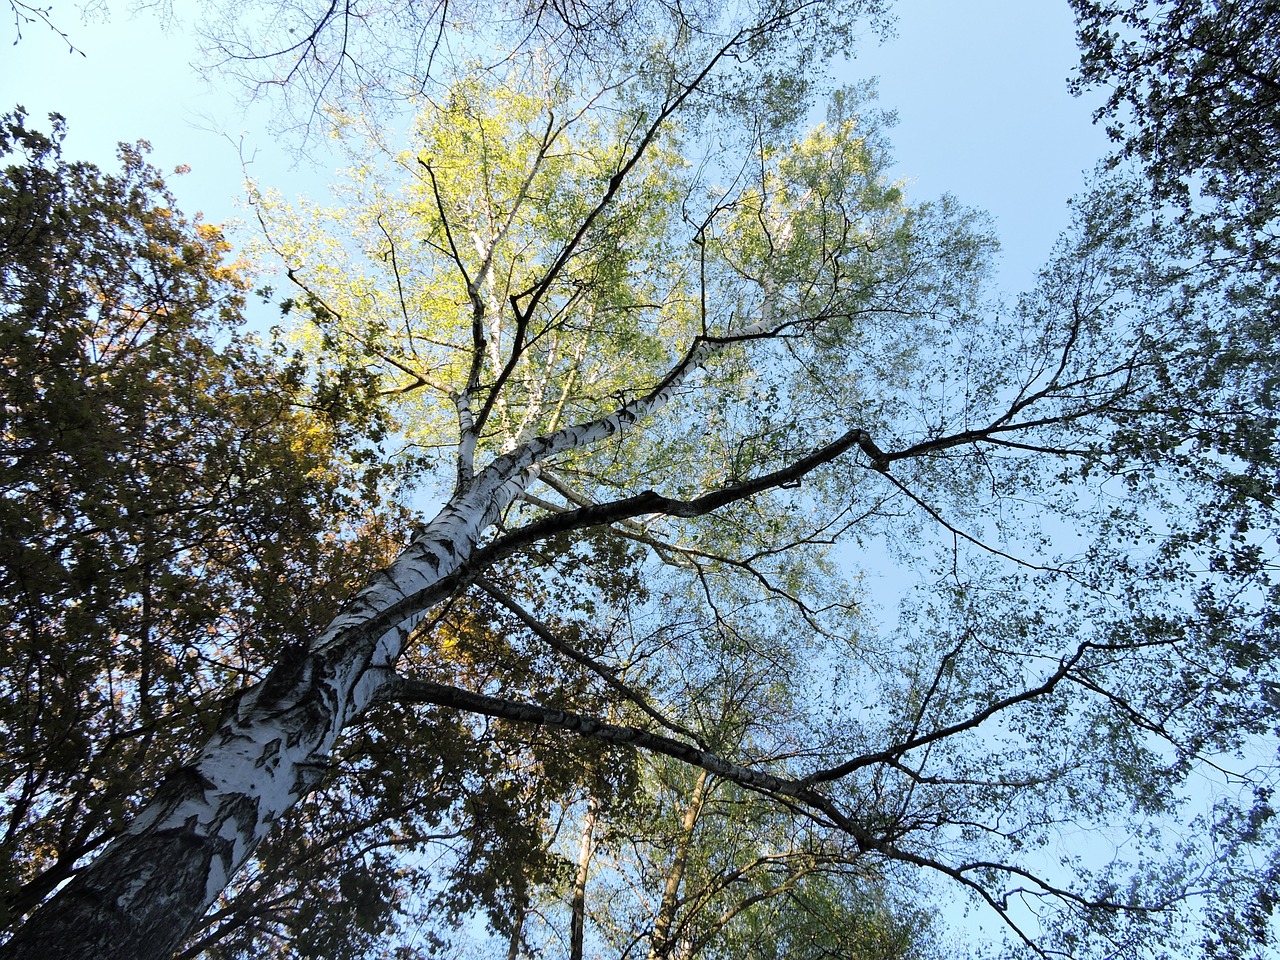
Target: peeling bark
(270,749)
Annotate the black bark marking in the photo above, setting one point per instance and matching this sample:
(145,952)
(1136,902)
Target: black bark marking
(131,897)
(269,753)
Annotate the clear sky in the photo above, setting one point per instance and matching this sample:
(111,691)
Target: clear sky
(980,91)
(984,114)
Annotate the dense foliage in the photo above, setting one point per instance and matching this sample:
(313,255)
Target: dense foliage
(1193,92)
(173,518)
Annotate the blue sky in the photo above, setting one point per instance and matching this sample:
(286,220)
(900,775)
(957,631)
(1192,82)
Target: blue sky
(980,91)
(984,114)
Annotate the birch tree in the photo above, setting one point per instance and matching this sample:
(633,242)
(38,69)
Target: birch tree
(645,304)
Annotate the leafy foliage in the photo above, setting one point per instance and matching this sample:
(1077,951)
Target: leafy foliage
(179,510)
(173,515)
(1194,94)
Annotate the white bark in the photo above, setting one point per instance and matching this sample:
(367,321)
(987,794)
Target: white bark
(272,747)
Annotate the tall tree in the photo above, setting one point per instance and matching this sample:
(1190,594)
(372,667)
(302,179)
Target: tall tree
(181,507)
(735,363)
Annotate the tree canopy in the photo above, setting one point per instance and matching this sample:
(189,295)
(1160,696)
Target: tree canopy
(1193,91)
(670,362)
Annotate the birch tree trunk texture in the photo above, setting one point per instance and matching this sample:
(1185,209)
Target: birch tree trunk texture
(578,900)
(271,748)
(140,897)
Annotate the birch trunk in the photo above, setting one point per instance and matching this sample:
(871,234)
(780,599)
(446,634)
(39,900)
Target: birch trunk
(147,889)
(578,921)
(142,895)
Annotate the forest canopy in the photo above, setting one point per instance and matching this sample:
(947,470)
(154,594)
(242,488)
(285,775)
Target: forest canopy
(513,594)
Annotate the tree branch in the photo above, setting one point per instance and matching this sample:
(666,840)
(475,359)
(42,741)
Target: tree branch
(608,676)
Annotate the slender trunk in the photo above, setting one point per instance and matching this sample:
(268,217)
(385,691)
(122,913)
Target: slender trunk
(517,931)
(139,898)
(660,946)
(578,923)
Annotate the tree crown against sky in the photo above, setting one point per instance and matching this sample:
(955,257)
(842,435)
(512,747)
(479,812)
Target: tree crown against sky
(1192,93)
(721,343)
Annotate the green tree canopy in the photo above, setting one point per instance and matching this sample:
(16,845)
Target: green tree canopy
(174,516)
(1193,93)
(880,315)
(669,357)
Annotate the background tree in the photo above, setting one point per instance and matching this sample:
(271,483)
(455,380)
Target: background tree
(697,866)
(1193,98)
(1194,95)
(173,518)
